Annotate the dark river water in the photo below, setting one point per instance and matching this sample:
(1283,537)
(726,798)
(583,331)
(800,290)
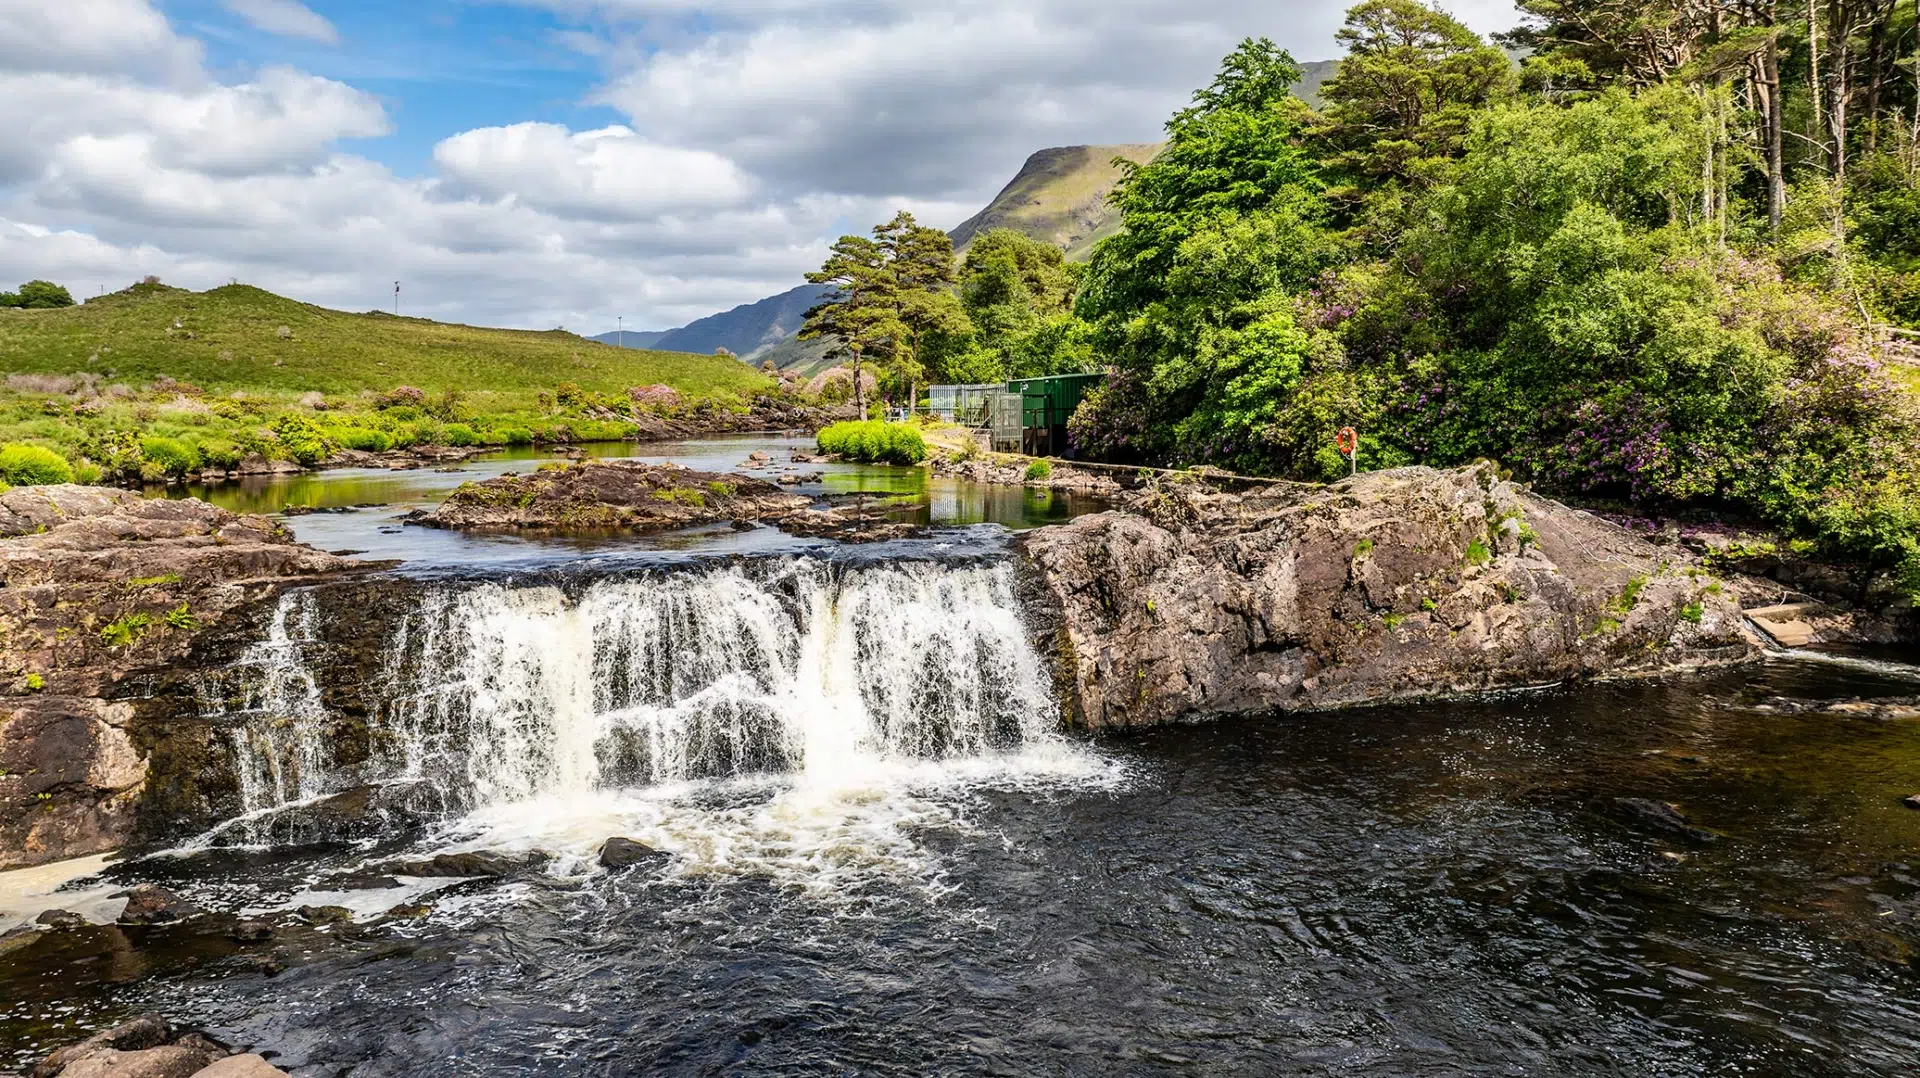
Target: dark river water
(882,857)
(1438,890)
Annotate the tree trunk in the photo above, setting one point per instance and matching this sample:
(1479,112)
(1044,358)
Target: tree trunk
(859,398)
(1773,147)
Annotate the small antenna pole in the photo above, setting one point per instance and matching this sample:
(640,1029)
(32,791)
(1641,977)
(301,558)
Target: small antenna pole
(396,299)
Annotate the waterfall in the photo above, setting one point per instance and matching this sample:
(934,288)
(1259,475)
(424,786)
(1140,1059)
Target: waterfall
(269,704)
(497,694)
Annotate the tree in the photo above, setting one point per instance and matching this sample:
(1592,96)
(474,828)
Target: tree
(37,294)
(1406,91)
(921,262)
(862,314)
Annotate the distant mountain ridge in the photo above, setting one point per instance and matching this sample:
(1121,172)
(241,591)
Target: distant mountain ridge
(1059,195)
(746,330)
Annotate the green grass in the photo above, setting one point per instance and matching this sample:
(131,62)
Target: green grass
(156,382)
(229,339)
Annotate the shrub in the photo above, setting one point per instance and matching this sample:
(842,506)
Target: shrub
(220,454)
(1039,469)
(459,435)
(87,473)
(367,441)
(300,441)
(874,442)
(33,466)
(171,456)
(403,397)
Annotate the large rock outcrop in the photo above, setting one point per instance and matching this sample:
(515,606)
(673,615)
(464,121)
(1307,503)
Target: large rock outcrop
(98,587)
(1390,586)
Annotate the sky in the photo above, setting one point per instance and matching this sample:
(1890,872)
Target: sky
(542,163)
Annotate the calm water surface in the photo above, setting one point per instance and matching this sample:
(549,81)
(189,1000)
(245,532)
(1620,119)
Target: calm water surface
(378,497)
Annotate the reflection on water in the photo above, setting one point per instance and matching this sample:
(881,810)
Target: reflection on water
(375,498)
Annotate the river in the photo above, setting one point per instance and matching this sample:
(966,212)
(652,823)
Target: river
(885,858)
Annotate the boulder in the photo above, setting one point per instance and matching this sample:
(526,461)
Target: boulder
(244,1066)
(1912,801)
(1393,585)
(168,1061)
(620,853)
(151,905)
(146,1031)
(251,932)
(62,919)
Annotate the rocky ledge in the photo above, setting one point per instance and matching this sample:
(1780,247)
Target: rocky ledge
(149,1047)
(1393,585)
(637,497)
(98,586)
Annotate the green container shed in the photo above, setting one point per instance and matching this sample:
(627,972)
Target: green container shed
(1045,406)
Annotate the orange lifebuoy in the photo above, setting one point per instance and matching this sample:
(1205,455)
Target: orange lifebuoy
(1347,441)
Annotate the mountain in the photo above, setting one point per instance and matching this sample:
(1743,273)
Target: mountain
(1060,196)
(632,338)
(746,331)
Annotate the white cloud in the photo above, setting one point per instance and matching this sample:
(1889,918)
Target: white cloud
(609,174)
(288,18)
(755,131)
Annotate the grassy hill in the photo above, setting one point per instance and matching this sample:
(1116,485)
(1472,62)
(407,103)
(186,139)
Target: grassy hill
(243,338)
(1059,195)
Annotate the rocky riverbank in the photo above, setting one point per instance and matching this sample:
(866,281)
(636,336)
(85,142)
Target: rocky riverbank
(101,587)
(1390,586)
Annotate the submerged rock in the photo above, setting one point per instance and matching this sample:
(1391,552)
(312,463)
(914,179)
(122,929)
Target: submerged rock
(251,932)
(471,865)
(1662,816)
(62,919)
(1389,586)
(619,853)
(1884,709)
(151,905)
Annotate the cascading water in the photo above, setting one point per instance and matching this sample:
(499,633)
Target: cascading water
(531,707)
(279,743)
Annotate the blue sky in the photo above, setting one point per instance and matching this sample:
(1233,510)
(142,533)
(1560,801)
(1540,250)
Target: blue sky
(537,163)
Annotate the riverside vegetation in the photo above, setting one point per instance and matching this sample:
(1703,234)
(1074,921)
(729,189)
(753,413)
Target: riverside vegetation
(156,382)
(1607,270)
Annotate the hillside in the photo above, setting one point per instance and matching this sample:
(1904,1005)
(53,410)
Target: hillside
(232,338)
(1059,195)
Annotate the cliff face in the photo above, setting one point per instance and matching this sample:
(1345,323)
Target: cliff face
(1060,196)
(99,591)
(1390,586)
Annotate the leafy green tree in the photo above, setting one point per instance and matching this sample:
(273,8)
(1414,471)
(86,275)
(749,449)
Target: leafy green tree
(1218,229)
(862,316)
(37,294)
(921,262)
(1407,90)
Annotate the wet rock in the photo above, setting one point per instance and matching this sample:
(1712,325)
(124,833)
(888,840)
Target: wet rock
(475,864)
(361,813)
(325,915)
(62,919)
(266,965)
(361,883)
(411,911)
(102,586)
(619,853)
(168,1061)
(1882,709)
(243,1066)
(1394,585)
(251,932)
(151,905)
(146,1031)
(19,939)
(1661,816)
